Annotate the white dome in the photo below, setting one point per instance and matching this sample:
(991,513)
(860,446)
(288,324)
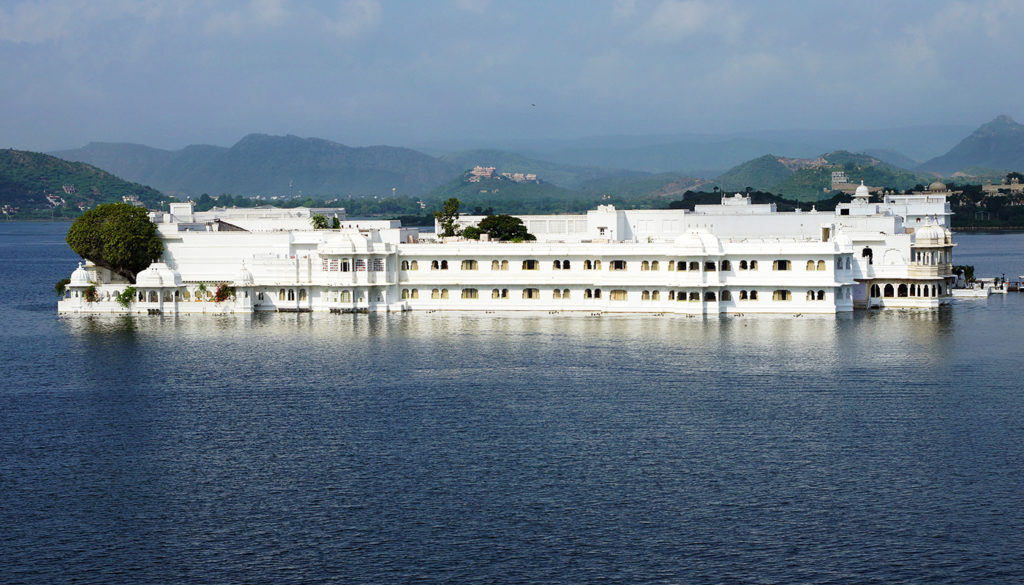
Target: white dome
(158,274)
(244,277)
(698,242)
(80,277)
(932,234)
(862,191)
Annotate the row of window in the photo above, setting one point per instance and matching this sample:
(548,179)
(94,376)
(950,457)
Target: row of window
(360,265)
(620,295)
(620,265)
(904,290)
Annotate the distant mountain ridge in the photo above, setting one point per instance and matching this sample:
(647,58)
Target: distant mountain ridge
(998,145)
(272,165)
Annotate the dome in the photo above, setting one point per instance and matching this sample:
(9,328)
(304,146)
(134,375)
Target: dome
(80,277)
(931,235)
(244,277)
(862,191)
(937,186)
(698,242)
(158,274)
(150,277)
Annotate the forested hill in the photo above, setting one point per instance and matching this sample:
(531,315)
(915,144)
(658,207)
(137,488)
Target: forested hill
(27,178)
(997,145)
(273,165)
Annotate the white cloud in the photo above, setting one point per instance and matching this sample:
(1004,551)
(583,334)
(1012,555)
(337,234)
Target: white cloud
(256,15)
(38,21)
(624,8)
(355,17)
(674,20)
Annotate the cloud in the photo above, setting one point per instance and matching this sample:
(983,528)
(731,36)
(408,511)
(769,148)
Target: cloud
(477,6)
(39,21)
(675,20)
(623,8)
(257,15)
(354,18)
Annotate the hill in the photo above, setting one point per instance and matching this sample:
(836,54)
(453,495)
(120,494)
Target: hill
(760,173)
(563,175)
(998,145)
(27,178)
(273,165)
(504,195)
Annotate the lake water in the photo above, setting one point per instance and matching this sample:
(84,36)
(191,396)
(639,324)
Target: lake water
(882,447)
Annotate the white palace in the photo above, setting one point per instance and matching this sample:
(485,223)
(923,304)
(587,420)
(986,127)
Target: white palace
(733,258)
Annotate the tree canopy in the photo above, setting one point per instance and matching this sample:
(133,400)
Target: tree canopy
(319,221)
(448,217)
(503,227)
(116,236)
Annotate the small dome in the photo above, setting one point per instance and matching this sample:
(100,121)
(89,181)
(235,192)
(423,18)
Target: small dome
(244,277)
(698,242)
(931,235)
(80,277)
(937,186)
(149,277)
(862,191)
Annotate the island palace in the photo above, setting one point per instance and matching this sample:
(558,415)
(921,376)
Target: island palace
(735,257)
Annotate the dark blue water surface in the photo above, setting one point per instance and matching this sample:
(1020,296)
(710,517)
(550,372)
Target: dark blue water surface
(883,447)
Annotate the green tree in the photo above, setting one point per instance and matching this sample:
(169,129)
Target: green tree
(319,221)
(504,227)
(116,236)
(335,223)
(448,217)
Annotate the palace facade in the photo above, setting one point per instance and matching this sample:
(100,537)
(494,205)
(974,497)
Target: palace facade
(736,257)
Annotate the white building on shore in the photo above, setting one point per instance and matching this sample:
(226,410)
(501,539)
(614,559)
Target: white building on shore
(732,258)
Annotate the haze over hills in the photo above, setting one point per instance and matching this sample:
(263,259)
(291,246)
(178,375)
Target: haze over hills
(997,145)
(262,164)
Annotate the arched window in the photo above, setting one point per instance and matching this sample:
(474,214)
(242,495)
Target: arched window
(565,265)
(869,254)
(470,293)
(557,265)
(346,267)
(346,296)
(655,295)
(726,295)
(495,265)
(753,295)
(415,293)
(810,265)
(726,266)
(405,293)
(597,265)
(414,265)
(821,295)
(709,297)
(154,297)
(810,295)
(444,265)
(654,265)
(597,293)
(405,265)
(887,292)
(671,266)
(565,293)
(588,294)
(556,294)
(743,264)
(821,265)
(495,293)
(531,293)
(504,264)
(753,264)
(694,265)
(645,266)
(302,294)
(587,265)
(671,295)
(435,265)
(839,263)
(617,295)
(188,296)
(435,294)
(291,294)
(901,290)
(875,291)
(444,293)
(280,295)
(645,295)
(469,265)
(743,295)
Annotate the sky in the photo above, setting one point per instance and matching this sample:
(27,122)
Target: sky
(364,72)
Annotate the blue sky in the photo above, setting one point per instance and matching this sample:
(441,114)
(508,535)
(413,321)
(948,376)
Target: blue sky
(367,72)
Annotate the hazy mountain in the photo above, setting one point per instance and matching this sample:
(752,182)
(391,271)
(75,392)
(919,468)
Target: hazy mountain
(998,144)
(761,173)
(896,159)
(26,178)
(273,165)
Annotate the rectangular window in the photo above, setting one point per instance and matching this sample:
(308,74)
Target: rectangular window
(781,265)
(617,295)
(531,265)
